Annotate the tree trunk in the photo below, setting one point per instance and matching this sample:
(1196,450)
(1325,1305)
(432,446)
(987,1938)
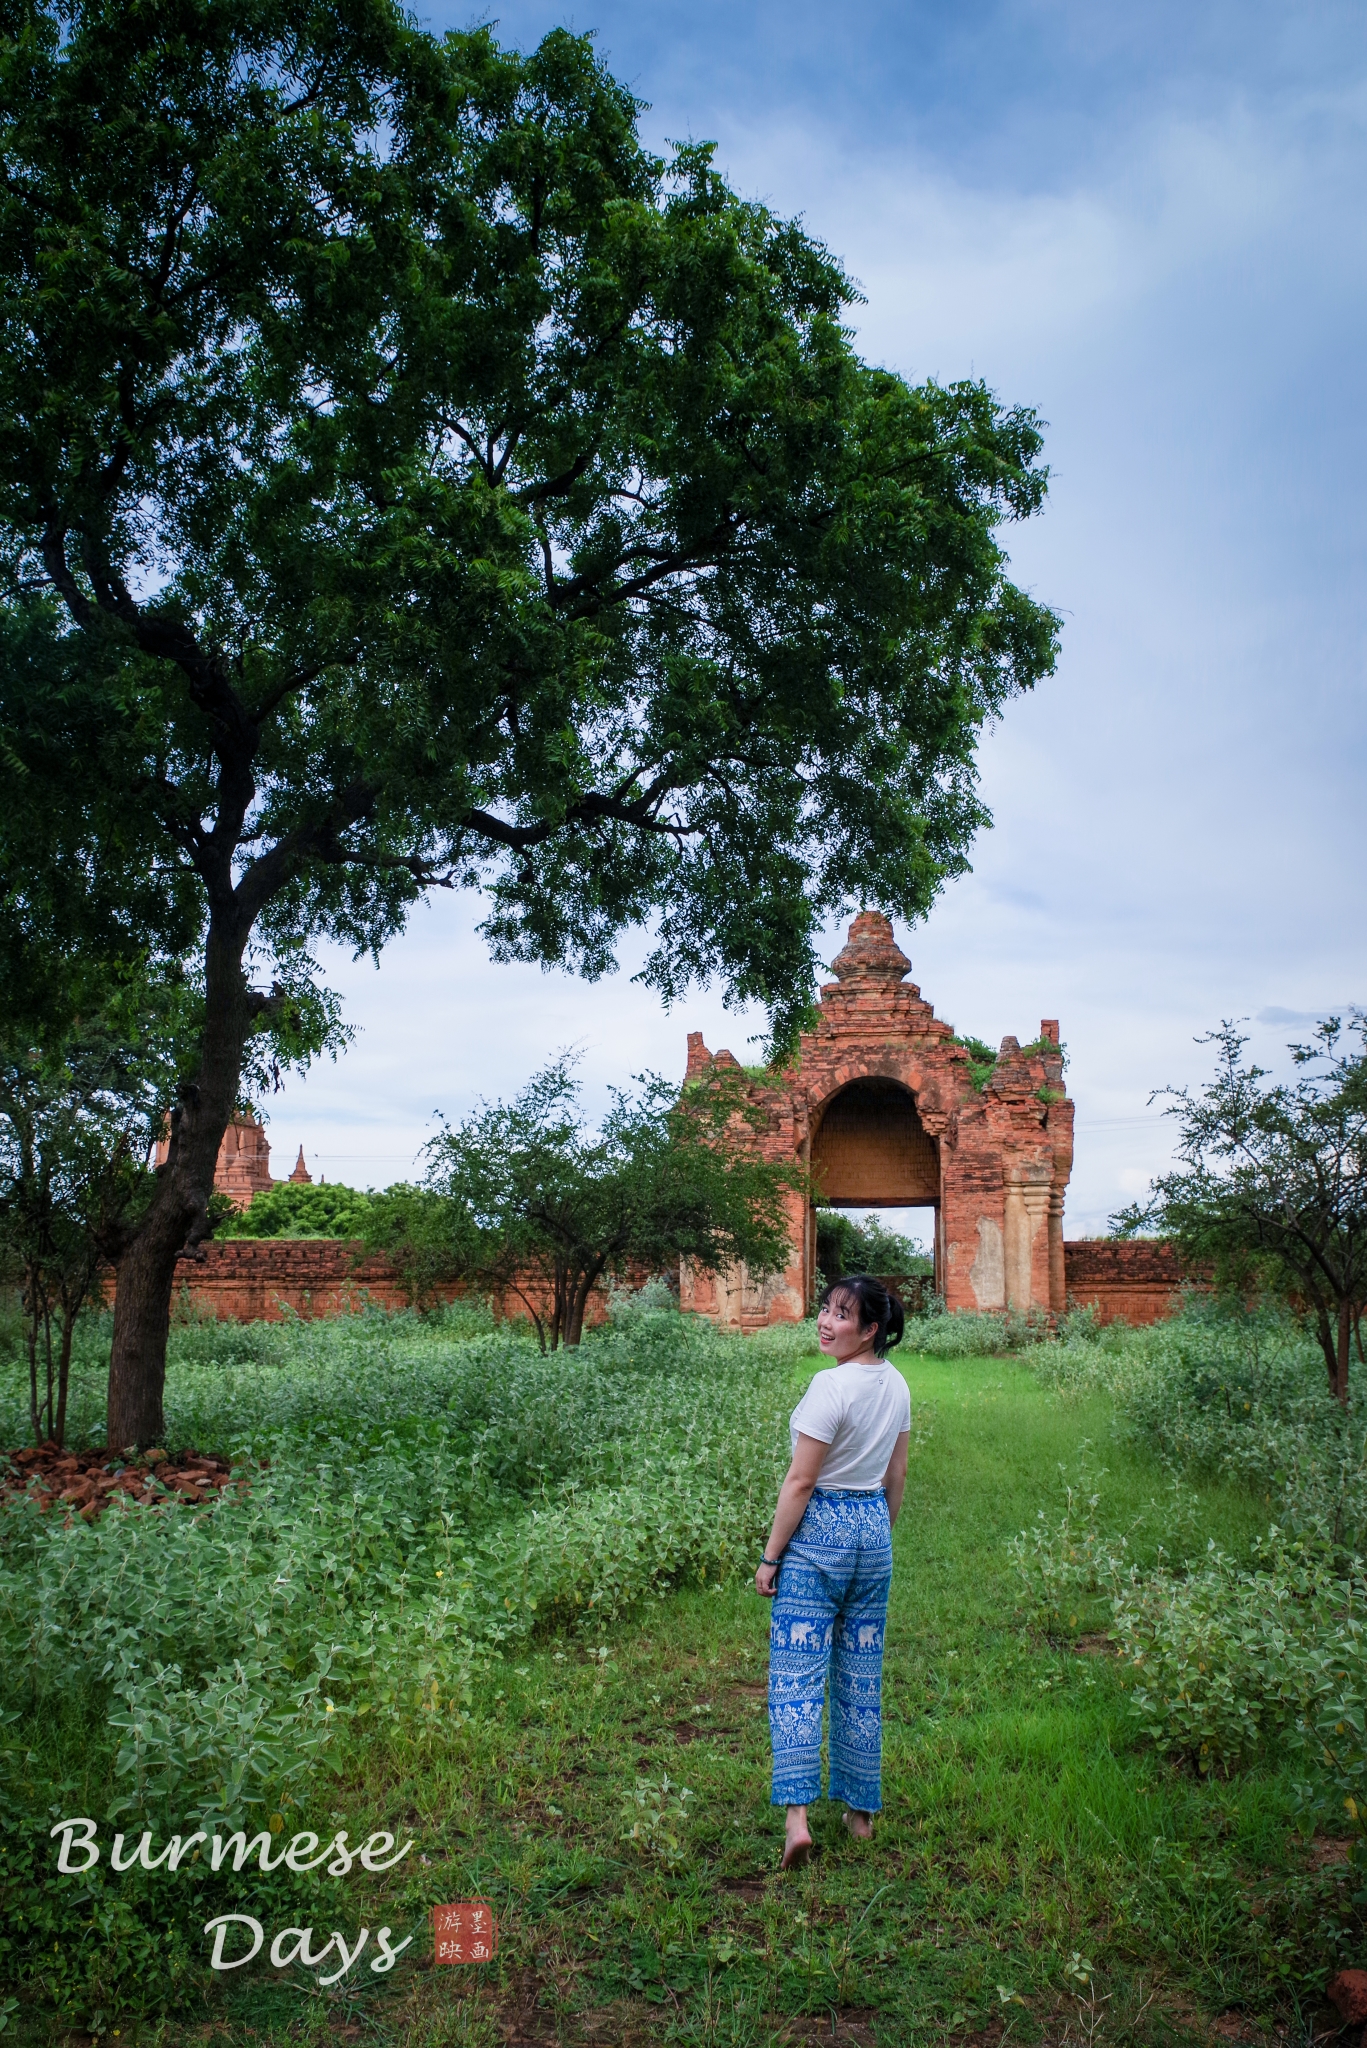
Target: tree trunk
(579,1301)
(575,1331)
(33,1375)
(64,1377)
(1345,1335)
(146,1269)
(1324,1330)
(47,1348)
(560,1308)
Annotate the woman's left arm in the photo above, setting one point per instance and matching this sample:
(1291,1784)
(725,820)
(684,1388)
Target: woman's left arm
(895,1478)
(793,1496)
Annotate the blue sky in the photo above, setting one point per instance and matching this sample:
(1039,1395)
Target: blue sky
(1148,223)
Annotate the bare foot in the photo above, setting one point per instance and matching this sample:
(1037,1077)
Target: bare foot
(797,1846)
(859,1824)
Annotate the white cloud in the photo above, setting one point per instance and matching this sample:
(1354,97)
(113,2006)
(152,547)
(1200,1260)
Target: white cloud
(1177,812)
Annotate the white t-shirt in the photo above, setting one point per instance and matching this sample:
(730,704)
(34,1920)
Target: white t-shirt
(860,1411)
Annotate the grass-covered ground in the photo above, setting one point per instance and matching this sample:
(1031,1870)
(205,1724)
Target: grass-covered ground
(1038,1872)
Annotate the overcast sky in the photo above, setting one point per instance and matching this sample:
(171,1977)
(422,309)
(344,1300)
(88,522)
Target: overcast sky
(1148,223)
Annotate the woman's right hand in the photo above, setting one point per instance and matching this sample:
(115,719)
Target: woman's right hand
(766,1580)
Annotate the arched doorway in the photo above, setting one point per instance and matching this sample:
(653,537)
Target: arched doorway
(870,1151)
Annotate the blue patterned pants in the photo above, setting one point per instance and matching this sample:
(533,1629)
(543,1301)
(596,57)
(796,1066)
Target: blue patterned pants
(829,1613)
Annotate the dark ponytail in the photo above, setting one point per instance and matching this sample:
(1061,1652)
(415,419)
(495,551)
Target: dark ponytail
(876,1304)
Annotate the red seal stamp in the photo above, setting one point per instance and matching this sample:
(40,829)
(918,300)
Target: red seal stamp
(465,1932)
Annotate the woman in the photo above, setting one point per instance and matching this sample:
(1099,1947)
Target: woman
(832,1538)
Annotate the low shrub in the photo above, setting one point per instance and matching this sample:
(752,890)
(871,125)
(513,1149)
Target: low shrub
(1233,1393)
(962,1333)
(1229,1661)
(421,1493)
(1066,1566)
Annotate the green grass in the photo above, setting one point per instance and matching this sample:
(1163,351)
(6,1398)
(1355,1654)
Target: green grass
(1023,1837)
(1034,1875)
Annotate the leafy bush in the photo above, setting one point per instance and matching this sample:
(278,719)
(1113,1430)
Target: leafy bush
(962,1333)
(846,1245)
(400,1456)
(1235,1393)
(1065,1565)
(295,1209)
(1228,1661)
(418,1497)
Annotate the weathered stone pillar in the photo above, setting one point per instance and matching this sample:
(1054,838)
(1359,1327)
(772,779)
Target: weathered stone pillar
(1016,1246)
(1058,1281)
(1036,1197)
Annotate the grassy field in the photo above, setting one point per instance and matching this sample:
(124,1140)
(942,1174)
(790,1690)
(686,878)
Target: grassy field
(1031,1874)
(1036,1873)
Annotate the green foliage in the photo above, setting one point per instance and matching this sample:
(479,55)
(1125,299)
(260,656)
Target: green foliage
(1045,1049)
(525,1199)
(1053,1861)
(79,1110)
(1065,1565)
(1238,1393)
(982,1058)
(1230,1660)
(969,1333)
(427,1497)
(427,560)
(844,1245)
(1272,1185)
(461,495)
(656,1818)
(293,1209)
(432,1498)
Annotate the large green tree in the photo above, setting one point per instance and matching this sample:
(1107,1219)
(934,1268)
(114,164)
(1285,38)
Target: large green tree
(409,480)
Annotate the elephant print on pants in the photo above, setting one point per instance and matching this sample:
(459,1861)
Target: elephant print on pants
(828,1614)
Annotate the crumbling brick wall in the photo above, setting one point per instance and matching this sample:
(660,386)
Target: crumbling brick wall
(1003,1151)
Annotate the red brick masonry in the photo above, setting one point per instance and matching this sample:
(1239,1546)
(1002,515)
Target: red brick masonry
(260,1279)
(248,1280)
(1132,1280)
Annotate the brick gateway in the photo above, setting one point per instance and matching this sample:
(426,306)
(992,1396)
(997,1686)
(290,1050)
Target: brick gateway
(880,1106)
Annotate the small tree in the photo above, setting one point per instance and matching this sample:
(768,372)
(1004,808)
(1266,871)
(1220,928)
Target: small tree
(1272,1188)
(76,1125)
(530,1201)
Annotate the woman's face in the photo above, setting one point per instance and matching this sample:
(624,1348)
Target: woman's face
(839,1330)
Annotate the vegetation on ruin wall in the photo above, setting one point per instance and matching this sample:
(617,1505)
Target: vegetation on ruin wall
(982,1058)
(505,1598)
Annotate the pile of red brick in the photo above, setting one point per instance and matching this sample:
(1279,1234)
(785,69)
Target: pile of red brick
(84,1482)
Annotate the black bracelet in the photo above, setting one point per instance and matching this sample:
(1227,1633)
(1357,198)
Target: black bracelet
(772,1562)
